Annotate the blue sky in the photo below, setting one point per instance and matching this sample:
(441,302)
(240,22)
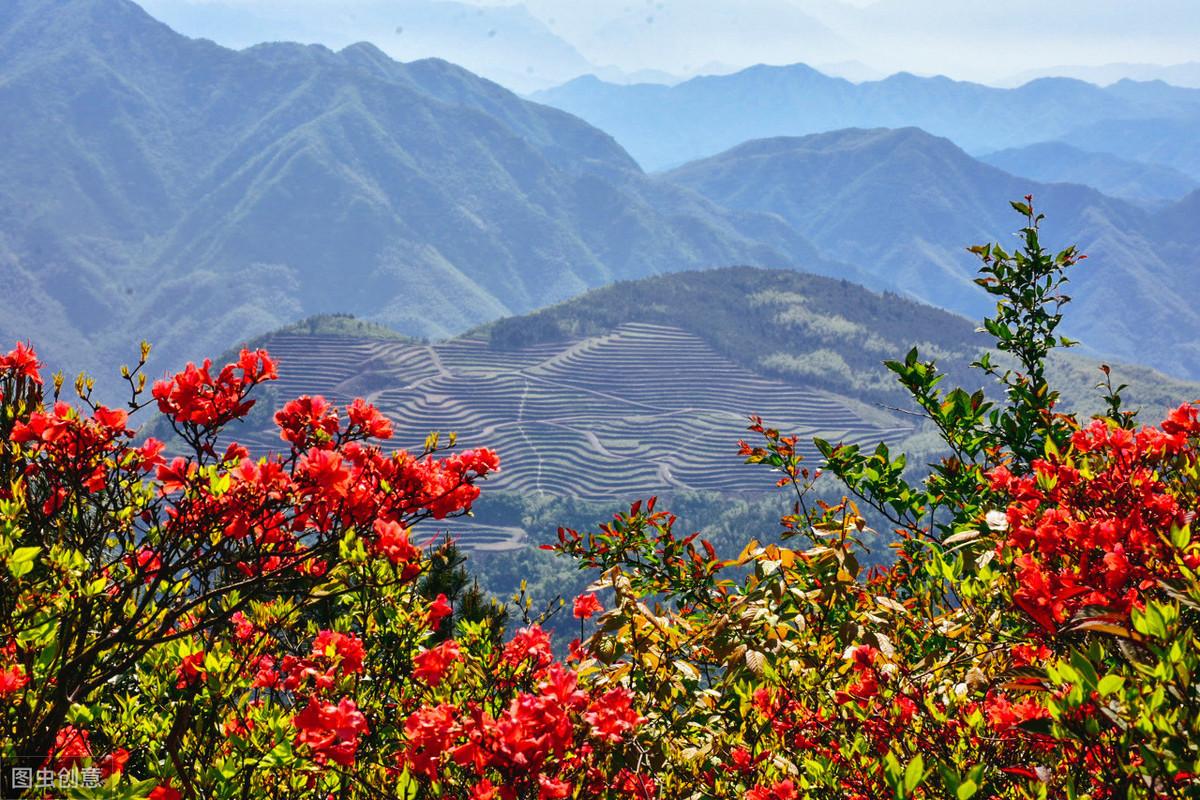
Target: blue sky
(536,43)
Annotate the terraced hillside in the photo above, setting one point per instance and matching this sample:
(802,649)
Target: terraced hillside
(643,408)
(642,387)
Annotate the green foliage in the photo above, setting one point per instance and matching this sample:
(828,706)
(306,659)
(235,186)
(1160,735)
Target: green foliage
(1036,636)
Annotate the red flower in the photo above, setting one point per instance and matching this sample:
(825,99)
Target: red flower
(1004,715)
(635,785)
(485,790)
(587,605)
(553,789)
(191,670)
(784,790)
(22,361)
(430,733)
(164,791)
(175,476)
(13,679)
(612,716)
(331,731)
(367,418)
(431,665)
(70,748)
(1182,420)
(113,763)
(392,542)
(439,609)
(1043,596)
(150,454)
(307,420)
(146,563)
(195,397)
(529,644)
(345,647)
(326,470)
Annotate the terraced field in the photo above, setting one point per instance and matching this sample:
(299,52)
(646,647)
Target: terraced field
(643,409)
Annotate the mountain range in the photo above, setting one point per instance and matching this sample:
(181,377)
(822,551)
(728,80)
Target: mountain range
(1184,74)
(665,126)
(161,187)
(534,44)
(903,204)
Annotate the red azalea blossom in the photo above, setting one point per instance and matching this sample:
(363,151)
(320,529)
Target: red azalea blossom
(391,541)
(530,644)
(191,670)
(330,730)
(307,420)
(195,397)
(367,418)
(71,747)
(164,791)
(113,763)
(586,605)
(439,609)
(12,679)
(784,790)
(612,716)
(22,361)
(145,562)
(346,648)
(431,665)
(635,784)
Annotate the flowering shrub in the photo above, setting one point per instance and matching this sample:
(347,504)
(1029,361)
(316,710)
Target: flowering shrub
(212,625)
(209,625)
(1034,637)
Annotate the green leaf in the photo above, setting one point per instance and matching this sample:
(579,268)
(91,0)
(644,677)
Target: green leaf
(22,560)
(1181,536)
(966,789)
(1109,684)
(914,774)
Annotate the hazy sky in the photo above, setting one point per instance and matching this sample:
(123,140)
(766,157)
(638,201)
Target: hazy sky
(536,43)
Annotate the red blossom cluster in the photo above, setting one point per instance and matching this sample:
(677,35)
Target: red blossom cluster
(586,606)
(1091,527)
(540,743)
(195,397)
(21,363)
(330,730)
(81,454)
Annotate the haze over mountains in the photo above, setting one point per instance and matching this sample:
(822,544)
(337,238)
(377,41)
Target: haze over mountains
(533,44)
(664,126)
(592,398)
